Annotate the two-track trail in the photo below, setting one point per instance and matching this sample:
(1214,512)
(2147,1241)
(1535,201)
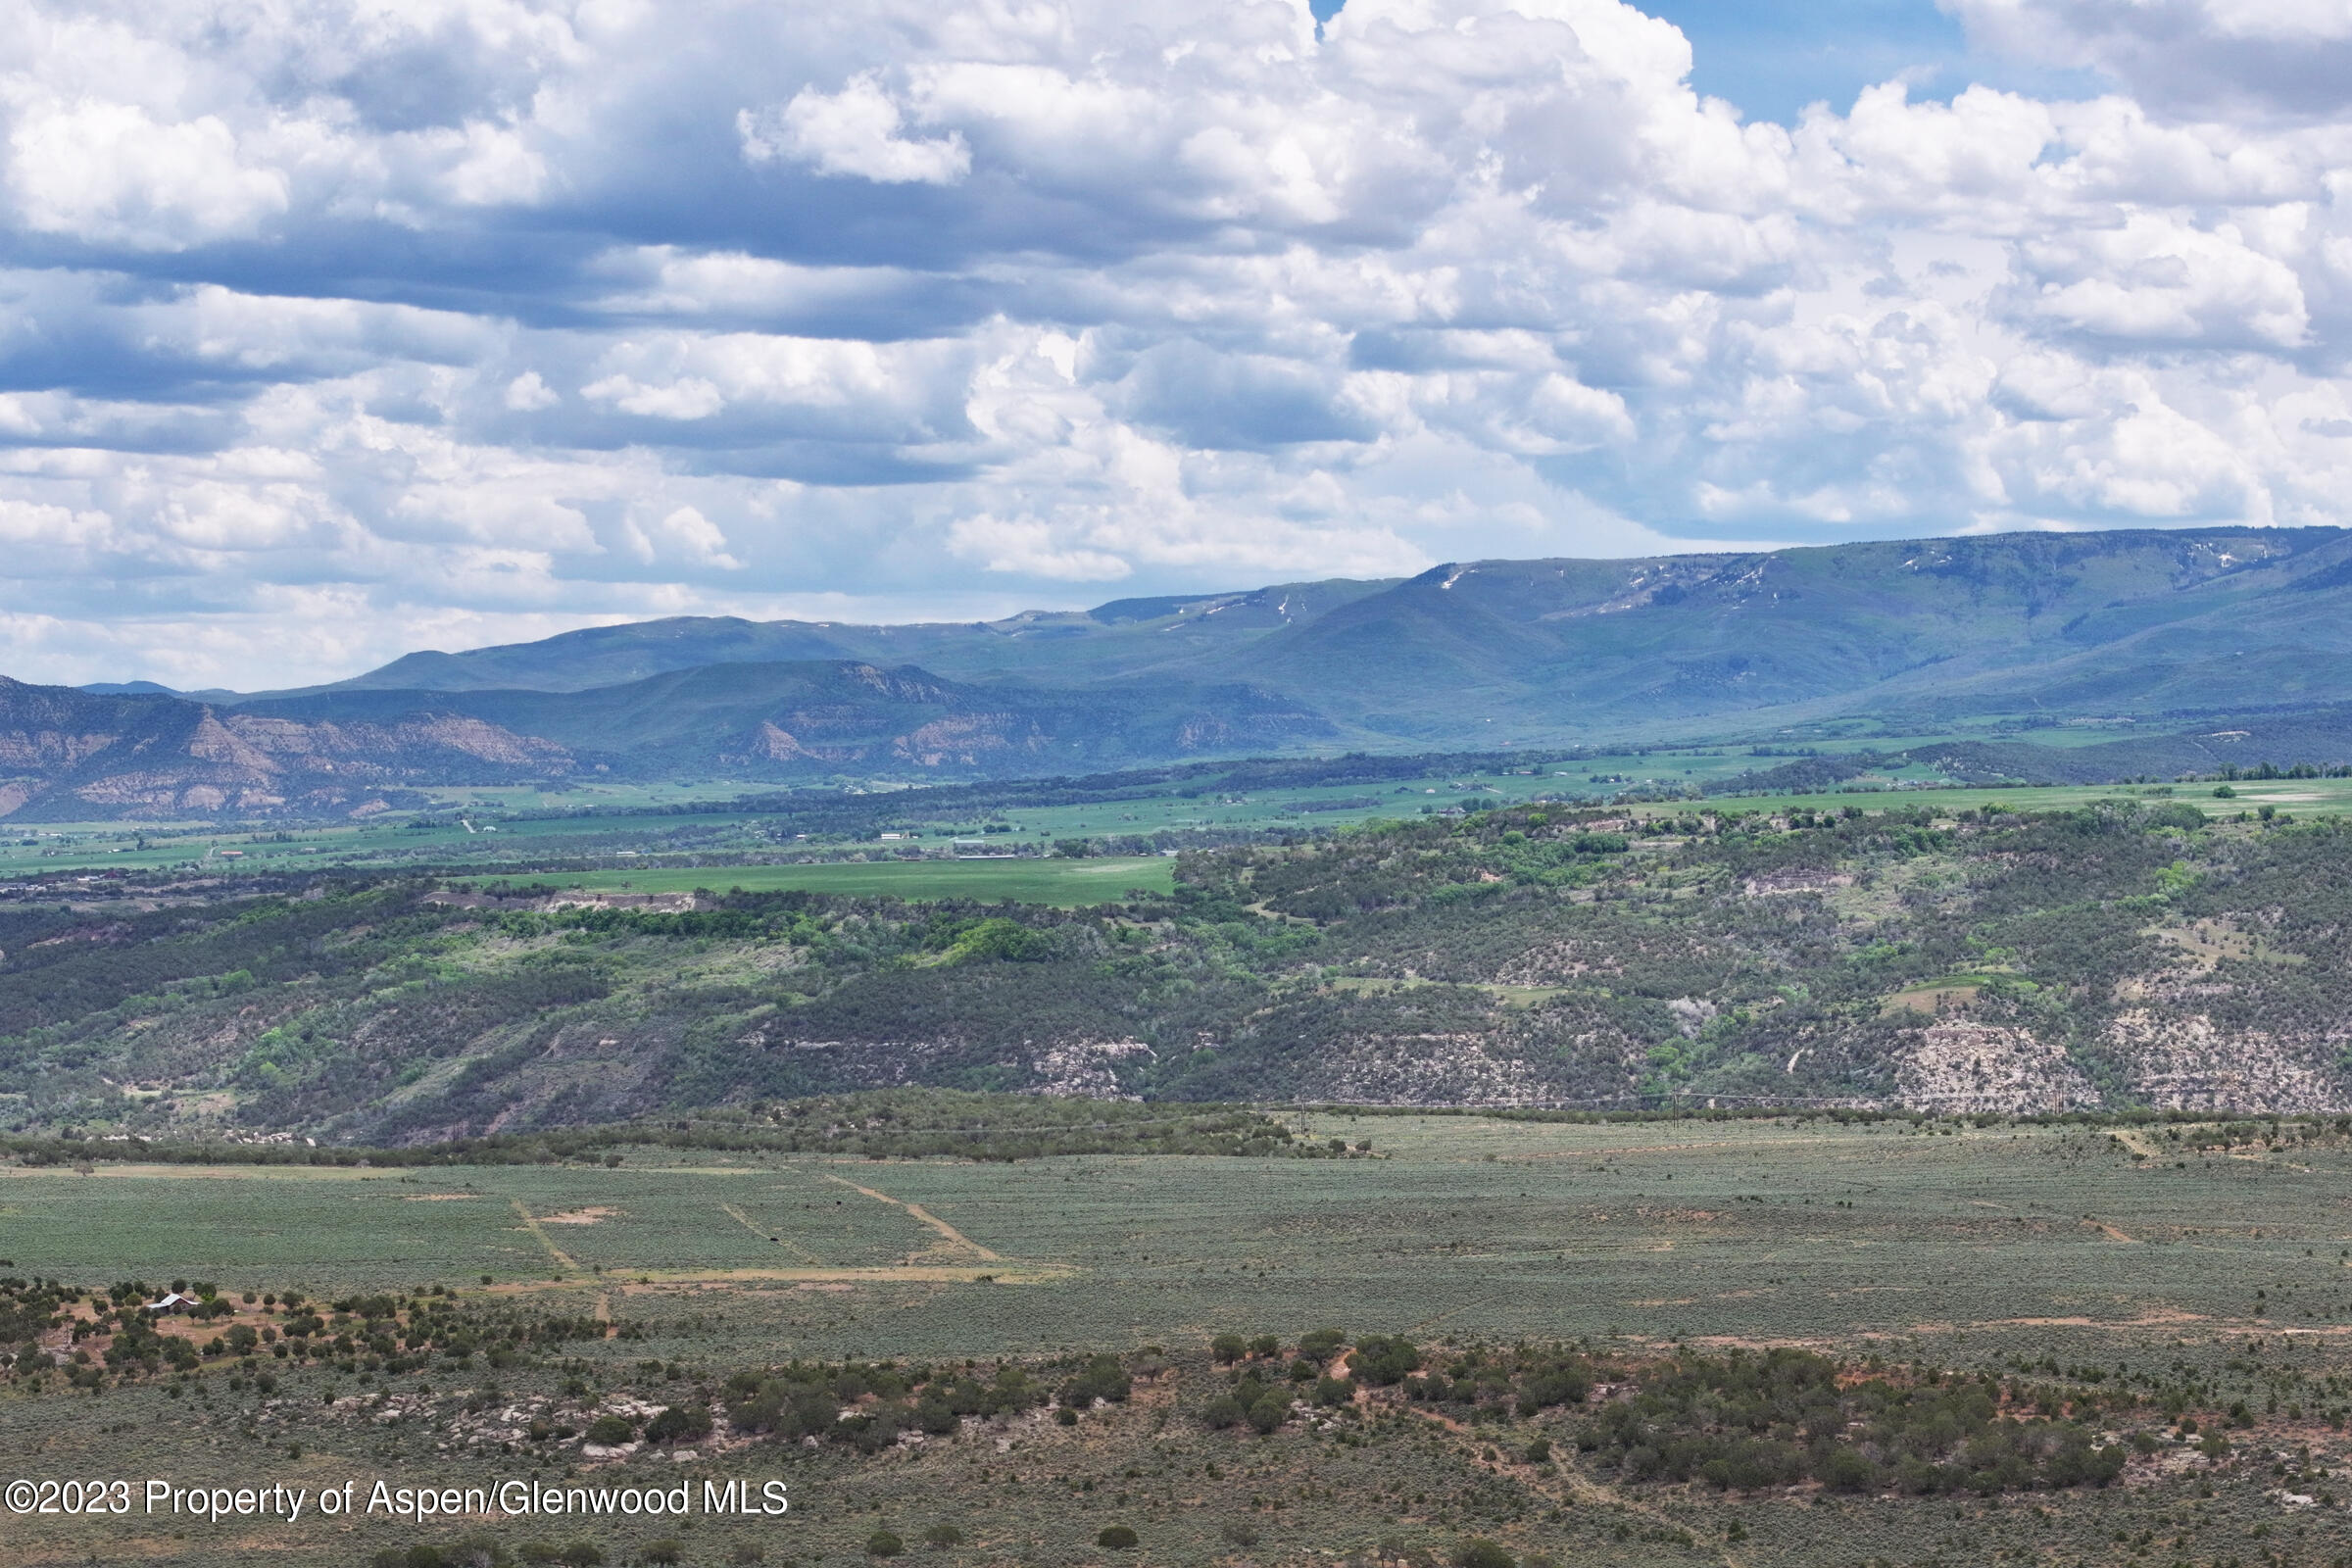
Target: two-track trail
(954,1236)
(1562,1483)
(563,1259)
(956,1260)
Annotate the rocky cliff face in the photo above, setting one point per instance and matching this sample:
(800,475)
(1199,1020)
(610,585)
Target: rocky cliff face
(82,754)
(66,754)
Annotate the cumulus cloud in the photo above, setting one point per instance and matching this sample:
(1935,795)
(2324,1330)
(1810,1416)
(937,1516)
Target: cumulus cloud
(2204,57)
(106,174)
(683,534)
(852,131)
(529,392)
(1030,546)
(408,325)
(689,397)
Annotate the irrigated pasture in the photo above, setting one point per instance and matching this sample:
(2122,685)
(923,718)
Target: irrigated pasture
(1966,1248)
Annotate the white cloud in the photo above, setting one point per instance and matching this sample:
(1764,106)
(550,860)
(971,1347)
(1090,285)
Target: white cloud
(493,165)
(683,534)
(2156,281)
(687,398)
(529,393)
(2205,57)
(107,174)
(852,131)
(1029,546)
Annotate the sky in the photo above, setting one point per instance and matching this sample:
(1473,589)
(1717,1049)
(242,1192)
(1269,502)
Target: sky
(335,329)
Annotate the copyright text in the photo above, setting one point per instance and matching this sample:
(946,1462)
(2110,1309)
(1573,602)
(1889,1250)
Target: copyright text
(390,1500)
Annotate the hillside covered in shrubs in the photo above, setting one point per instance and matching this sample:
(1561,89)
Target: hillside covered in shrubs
(2149,951)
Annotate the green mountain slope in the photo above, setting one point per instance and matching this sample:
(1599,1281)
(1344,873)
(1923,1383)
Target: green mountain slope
(2188,631)
(1125,638)
(600,655)
(1494,652)
(2143,621)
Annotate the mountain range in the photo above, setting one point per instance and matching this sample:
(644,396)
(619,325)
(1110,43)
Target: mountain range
(2157,625)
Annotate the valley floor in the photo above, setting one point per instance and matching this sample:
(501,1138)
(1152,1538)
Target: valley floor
(2211,1272)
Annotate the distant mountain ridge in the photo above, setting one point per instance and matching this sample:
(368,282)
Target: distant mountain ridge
(66,754)
(1129,637)
(2160,625)
(1563,649)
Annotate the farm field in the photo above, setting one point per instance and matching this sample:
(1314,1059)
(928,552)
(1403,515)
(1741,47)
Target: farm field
(500,829)
(1974,1249)
(482,825)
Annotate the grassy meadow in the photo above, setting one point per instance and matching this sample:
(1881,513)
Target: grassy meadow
(2114,1256)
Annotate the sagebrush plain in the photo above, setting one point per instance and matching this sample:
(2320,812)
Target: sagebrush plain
(2201,1267)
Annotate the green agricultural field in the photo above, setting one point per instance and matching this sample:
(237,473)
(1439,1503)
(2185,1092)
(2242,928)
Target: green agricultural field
(484,826)
(1067,884)
(501,827)
(2161,1275)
